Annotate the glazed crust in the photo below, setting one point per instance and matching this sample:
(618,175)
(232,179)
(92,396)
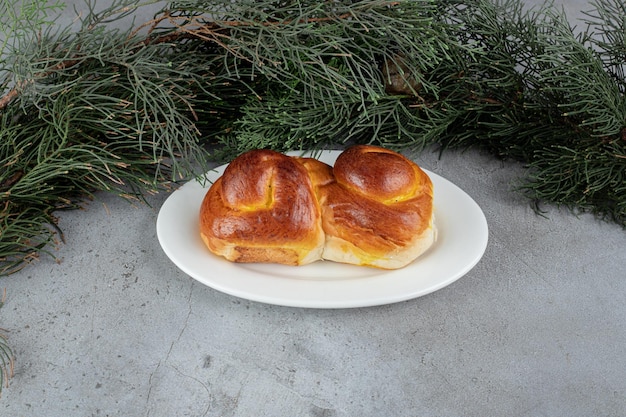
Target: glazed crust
(373,208)
(379,210)
(263,209)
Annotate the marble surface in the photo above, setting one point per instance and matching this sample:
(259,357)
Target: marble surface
(114,328)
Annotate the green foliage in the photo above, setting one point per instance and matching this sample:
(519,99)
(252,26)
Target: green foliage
(93,110)
(95,107)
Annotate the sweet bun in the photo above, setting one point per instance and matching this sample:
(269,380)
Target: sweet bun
(263,209)
(373,208)
(378,211)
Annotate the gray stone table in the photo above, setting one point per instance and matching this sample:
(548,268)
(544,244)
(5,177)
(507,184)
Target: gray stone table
(114,328)
(536,328)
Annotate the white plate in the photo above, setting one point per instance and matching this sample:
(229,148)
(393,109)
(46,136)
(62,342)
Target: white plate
(461,242)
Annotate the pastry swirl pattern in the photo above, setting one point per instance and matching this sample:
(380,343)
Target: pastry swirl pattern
(374,207)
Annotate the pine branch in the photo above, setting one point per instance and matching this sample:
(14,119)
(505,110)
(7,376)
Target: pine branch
(131,111)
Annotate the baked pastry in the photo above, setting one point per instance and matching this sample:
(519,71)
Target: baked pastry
(378,211)
(263,209)
(373,208)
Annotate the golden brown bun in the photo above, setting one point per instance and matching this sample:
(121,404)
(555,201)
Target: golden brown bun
(378,211)
(374,208)
(263,209)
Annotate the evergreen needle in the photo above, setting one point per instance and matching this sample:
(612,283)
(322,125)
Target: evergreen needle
(95,107)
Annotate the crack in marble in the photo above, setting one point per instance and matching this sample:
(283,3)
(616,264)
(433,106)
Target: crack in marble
(169,351)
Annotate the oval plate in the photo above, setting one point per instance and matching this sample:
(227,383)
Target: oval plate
(462,236)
